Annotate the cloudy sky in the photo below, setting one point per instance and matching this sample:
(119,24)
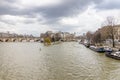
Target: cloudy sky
(37,16)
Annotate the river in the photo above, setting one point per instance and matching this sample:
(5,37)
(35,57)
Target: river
(65,61)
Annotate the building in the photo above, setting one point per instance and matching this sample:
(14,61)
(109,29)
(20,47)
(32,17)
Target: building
(5,35)
(14,35)
(106,32)
(64,36)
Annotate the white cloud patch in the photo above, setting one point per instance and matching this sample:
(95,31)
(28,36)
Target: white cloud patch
(109,4)
(90,20)
(12,19)
(34,29)
(6,27)
(23,25)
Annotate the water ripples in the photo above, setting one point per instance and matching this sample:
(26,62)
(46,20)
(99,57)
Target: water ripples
(66,61)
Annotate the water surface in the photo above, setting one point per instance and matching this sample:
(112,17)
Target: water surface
(66,61)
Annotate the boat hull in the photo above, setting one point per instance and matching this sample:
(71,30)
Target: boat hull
(112,56)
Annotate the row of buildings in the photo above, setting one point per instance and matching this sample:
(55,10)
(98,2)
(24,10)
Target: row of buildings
(64,36)
(109,35)
(106,32)
(13,35)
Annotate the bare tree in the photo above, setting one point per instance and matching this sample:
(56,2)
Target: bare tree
(110,24)
(96,37)
(89,36)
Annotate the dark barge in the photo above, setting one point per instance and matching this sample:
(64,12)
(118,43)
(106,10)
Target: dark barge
(114,55)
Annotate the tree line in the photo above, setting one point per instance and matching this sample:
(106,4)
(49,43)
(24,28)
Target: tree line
(107,31)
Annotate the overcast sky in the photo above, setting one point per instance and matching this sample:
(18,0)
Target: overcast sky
(37,16)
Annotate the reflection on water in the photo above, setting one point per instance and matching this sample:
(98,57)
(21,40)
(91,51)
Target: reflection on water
(66,61)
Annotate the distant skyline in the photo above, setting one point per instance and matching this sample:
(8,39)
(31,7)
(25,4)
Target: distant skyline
(36,16)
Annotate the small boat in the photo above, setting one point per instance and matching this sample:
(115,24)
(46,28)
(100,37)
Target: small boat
(108,49)
(97,49)
(93,48)
(115,55)
(100,49)
(87,45)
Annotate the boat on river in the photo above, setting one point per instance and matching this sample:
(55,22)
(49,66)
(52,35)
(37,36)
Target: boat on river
(100,49)
(115,55)
(87,45)
(93,48)
(108,49)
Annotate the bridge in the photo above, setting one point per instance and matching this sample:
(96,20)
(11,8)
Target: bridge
(5,39)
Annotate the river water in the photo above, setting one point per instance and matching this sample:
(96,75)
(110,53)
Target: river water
(65,61)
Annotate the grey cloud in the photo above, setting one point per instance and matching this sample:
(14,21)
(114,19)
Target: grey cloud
(69,8)
(29,21)
(6,10)
(10,1)
(51,13)
(111,4)
(10,10)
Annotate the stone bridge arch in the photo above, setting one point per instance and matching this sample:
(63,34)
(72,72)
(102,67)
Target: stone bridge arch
(37,40)
(31,40)
(6,40)
(13,40)
(20,40)
(1,40)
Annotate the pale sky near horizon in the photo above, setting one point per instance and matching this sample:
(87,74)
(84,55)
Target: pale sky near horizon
(38,16)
